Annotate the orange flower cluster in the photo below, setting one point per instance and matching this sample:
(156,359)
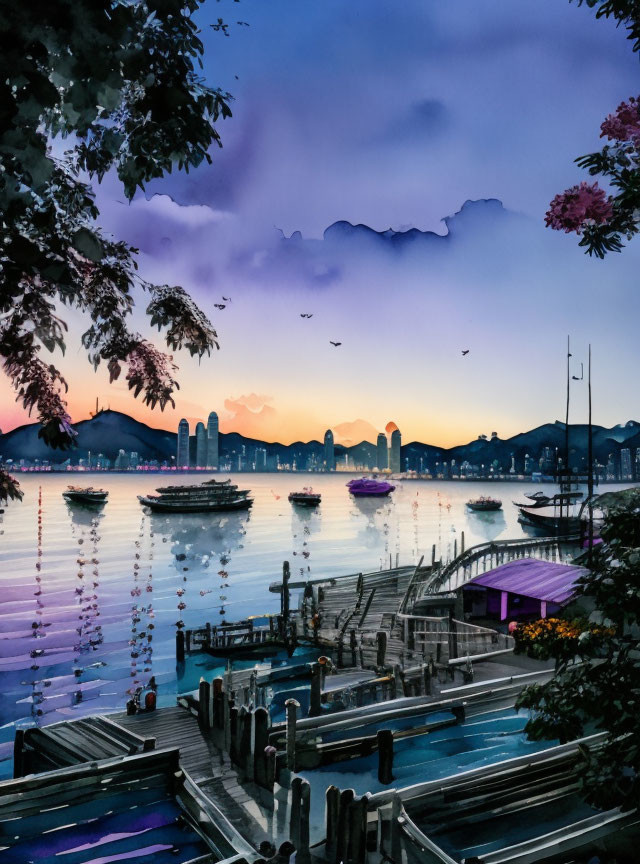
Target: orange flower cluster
(546,630)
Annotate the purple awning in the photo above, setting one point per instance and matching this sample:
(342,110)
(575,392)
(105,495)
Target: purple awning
(531,577)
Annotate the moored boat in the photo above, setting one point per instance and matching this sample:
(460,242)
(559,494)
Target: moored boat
(369,486)
(212,496)
(558,516)
(307,497)
(537,499)
(85,495)
(484,503)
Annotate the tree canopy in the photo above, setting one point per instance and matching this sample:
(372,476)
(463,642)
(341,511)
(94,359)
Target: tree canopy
(604,220)
(597,685)
(119,81)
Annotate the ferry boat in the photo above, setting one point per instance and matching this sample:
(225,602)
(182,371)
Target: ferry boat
(212,496)
(307,497)
(369,486)
(484,504)
(85,495)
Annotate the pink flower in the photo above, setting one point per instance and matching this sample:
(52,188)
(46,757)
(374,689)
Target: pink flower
(624,125)
(578,206)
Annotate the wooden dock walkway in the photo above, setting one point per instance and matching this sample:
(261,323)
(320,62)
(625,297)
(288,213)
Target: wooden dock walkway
(176,727)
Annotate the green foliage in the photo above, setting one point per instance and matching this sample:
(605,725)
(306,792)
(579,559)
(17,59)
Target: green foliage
(118,80)
(602,692)
(625,12)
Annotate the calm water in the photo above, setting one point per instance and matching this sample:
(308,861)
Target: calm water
(91,598)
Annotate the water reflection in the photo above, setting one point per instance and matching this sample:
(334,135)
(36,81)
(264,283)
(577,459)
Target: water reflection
(305,522)
(201,546)
(488,525)
(381,519)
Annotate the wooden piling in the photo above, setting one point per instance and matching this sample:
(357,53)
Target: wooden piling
(218,703)
(385,755)
(233,734)
(357,816)
(260,742)
(381,647)
(204,698)
(180,646)
(303,855)
(291,706)
(332,798)
(270,766)
(353,645)
(245,759)
(294,813)
(284,597)
(342,841)
(19,754)
(315,706)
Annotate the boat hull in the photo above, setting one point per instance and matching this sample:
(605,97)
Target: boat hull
(551,524)
(370,494)
(305,500)
(195,506)
(484,508)
(84,498)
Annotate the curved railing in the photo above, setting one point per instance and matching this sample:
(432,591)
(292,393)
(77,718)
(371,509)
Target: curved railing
(451,576)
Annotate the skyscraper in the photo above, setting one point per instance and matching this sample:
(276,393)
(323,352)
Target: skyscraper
(382,452)
(201,446)
(396,443)
(182,458)
(212,441)
(329,452)
(625,464)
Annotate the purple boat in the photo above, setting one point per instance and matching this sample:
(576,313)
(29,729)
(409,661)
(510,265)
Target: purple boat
(367,486)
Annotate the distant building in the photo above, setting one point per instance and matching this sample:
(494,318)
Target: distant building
(329,452)
(182,456)
(528,464)
(201,446)
(394,455)
(213,456)
(382,452)
(637,462)
(494,435)
(134,459)
(122,461)
(625,464)
(611,467)
(261,459)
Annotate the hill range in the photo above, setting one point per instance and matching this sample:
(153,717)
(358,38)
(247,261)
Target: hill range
(109,431)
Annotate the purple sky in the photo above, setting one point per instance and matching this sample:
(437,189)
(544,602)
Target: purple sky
(392,115)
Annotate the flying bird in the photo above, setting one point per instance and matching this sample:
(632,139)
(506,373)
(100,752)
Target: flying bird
(228,299)
(335,344)
(220,305)
(575,378)
(465,352)
(306,314)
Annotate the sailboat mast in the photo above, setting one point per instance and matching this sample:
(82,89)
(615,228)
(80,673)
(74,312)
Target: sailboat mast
(590,459)
(567,485)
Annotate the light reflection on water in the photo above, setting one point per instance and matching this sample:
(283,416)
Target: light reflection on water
(94,616)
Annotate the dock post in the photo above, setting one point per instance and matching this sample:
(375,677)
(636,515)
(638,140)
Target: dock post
(291,706)
(204,697)
(18,754)
(426,678)
(340,657)
(270,766)
(233,734)
(284,597)
(218,703)
(455,547)
(332,798)
(303,855)
(315,707)
(245,756)
(180,646)
(462,543)
(385,755)
(294,813)
(259,745)
(353,646)
(358,830)
(381,647)
(227,706)
(433,555)
(342,839)
(208,630)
